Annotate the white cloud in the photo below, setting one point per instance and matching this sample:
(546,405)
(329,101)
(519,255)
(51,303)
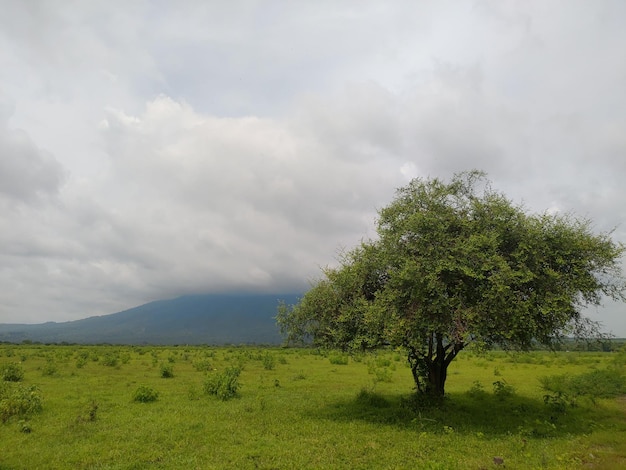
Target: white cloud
(148,151)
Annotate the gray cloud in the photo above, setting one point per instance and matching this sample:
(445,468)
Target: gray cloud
(214,147)
(26,172)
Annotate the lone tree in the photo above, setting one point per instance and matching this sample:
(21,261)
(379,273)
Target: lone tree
(456,263)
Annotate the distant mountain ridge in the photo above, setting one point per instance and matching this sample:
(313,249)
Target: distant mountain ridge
(190,319)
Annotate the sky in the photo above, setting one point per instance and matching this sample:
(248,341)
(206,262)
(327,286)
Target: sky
(151,149)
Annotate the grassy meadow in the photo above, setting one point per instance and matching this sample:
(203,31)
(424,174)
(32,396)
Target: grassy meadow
(117,407)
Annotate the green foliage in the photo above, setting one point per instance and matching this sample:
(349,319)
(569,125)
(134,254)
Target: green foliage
(338,359)
(145,394)
(18,400)
(24,426)
(203,365)
(502,389)
(269,362)
(456,263)
(12,372)
(224,385)
(306,414)
(167,371)
(89,412)
(565,388)
(50,368)
(477,390)
(110,359)
(381,369)
(370,398)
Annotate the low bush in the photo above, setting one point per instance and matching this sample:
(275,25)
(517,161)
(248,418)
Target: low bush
(12,372)
(268,361)
(203,365)
(167,371)
(19,400)
(477,390)
(223,385)
(89,412)
(50,369)
(371,399)
(109,360)
(502,389)
(599,383)
(338,359)
(145,394)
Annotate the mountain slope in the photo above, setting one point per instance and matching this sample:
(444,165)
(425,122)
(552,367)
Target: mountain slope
(191,319)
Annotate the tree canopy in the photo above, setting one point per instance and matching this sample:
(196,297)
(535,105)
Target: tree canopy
(456,263)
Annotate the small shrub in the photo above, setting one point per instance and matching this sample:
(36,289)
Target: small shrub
(24,426)
(380,370)
(203,365)
(502,389)
(371,399)
(382,362)
(605,383)
(145,394)
(167,371)
(558,402)
(89,413)
(599,383)
(224,385)
(477,390)
(49,369)
(19,401)
(383,374)
(268,361)
(109,360)
(193,393)
(338,359)
(12,372)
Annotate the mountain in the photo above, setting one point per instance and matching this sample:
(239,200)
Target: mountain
(191,319)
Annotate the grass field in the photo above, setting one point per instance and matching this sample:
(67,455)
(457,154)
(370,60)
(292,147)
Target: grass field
(298,408)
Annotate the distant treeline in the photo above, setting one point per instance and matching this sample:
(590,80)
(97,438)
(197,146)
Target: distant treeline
(607,345)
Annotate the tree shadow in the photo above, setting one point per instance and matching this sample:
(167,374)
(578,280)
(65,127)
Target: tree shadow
(468,412)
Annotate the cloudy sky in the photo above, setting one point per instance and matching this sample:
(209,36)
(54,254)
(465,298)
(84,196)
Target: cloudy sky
(150,149)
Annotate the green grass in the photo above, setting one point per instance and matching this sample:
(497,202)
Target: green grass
(302,409)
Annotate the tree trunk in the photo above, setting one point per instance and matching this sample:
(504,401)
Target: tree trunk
(437,374)
(430,369)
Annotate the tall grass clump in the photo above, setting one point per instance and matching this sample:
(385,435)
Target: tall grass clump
(224,385)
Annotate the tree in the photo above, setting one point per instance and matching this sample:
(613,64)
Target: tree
(458,263)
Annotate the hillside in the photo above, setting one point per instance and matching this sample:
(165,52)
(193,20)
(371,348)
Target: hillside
(191,319)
